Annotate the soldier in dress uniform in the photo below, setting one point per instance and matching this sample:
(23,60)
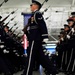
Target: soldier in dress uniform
(10,56)
(3,65)
(68,48)
(36,34)
(59,49)
(62,47)
(70,53)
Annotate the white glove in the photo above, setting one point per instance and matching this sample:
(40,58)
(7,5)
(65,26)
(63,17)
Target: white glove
(44,50)
(22,42)
(46,53)
(2,46)
(14,51)
(62,39)
(5,51)
(56,53)
(68,36)
(18,55)
(72,30)
(49,54)
(45,40)
(25,55)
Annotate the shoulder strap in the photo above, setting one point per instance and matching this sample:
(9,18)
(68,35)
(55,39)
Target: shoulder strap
(35,16)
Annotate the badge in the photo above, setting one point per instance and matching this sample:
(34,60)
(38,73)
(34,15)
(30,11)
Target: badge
(32,19)
(40,18)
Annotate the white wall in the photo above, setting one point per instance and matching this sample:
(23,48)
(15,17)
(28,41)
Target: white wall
(55,21)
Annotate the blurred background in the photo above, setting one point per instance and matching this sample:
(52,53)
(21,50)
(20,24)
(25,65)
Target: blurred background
(56,15)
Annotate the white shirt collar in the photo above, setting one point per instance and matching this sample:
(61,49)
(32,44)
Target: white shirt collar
(35,10)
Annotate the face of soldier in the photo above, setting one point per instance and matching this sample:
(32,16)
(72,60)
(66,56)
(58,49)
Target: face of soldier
(74,18)
(66,29)
(71,23)
(6,29)
(34,7)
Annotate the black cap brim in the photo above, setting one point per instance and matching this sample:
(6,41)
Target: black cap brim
(68,20)
(6,26)
(66,26)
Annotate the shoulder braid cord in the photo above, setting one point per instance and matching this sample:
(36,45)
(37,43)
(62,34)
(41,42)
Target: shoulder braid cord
(35,17)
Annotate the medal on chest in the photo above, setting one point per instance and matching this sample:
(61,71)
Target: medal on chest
(32,19)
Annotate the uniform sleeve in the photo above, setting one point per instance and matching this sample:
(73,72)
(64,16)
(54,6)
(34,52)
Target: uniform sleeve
(42,25)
